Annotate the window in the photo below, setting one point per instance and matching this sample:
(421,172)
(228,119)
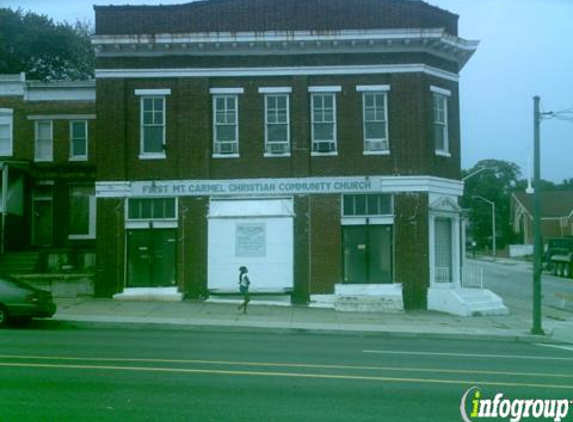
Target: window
(44,146)
(82,212)
(374,109)
(367,204)
(225,125)
(443,252)
(323,119)
(151,209)
(277,131)
(78,140)
(153,127)
(440,113)
(6,125)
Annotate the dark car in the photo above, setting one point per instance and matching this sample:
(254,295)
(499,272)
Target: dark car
(20,301)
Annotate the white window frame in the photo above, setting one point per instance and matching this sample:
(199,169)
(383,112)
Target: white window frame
(383,142)
(145,223)
(323,91)
(92,217)
(225,94)
(7,119)
(442,95)
(151,95)
(74,157)
(286,143)
(49,140)
(455,222)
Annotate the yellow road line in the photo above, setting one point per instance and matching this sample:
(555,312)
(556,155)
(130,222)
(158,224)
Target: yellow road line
(287,375)
(467,355)
(289,365)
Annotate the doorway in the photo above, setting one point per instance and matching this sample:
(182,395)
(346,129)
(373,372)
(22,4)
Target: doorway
(367,254)
(151,258)
(42,214)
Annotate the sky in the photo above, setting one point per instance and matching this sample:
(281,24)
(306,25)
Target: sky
(526,49)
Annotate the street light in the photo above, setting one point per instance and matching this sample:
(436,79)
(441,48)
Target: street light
(492,221)
(477,172)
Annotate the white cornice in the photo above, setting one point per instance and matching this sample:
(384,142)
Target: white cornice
(275,71)
(432,40)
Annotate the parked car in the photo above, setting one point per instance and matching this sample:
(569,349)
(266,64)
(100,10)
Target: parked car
(20,301)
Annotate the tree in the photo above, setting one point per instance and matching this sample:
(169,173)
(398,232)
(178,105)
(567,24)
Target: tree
(495,184)
(43,49)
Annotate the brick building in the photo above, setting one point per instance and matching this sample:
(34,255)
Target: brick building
(316,142)
(47,191)
(556,215)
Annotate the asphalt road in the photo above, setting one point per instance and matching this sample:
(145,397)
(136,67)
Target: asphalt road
(205,375)
(514,283)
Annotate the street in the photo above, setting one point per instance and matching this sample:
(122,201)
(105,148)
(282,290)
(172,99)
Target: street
(514,283)
(221,375)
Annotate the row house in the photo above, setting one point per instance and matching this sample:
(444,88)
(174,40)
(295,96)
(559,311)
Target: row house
(47,170)
(317,142)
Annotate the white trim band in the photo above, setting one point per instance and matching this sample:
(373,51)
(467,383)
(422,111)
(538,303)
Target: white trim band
(61,117)
(227,91)
(275,90)
(441,91)
(165,91)
(372,88)
(276,71)
(278,187)
(330,88)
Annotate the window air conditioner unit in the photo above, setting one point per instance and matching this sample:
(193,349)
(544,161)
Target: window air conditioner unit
(377,145)
(226,148)
(324,146)
(277,148)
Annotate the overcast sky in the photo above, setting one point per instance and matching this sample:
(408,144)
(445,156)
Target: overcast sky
(526,49)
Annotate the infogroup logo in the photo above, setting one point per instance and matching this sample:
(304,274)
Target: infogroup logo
(474,407)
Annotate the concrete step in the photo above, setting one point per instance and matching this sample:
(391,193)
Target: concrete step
(19,262)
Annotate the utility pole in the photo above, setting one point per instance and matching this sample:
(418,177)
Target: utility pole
(537,241)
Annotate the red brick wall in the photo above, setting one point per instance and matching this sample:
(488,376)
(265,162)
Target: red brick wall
(110,247)
(189,130)
(325,243)
(411,248)
(192,246)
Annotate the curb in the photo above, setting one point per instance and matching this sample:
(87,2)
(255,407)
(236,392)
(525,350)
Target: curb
(242,328)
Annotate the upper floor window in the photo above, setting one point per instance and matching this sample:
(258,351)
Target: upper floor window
(78,140)
(152,122)
(153,126)
(277,121)
(375,118)
(6,130)
(323,119)
(440,120)
(44,144)
(225,125)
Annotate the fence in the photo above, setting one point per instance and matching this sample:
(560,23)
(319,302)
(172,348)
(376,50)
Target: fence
(472,277)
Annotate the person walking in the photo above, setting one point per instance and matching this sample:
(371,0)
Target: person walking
(244,283)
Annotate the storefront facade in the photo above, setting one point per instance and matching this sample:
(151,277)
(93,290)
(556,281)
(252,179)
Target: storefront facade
(328,162)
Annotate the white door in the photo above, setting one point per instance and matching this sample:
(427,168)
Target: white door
(255,233)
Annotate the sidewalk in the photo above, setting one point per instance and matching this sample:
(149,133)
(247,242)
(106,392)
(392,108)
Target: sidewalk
(200,314)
